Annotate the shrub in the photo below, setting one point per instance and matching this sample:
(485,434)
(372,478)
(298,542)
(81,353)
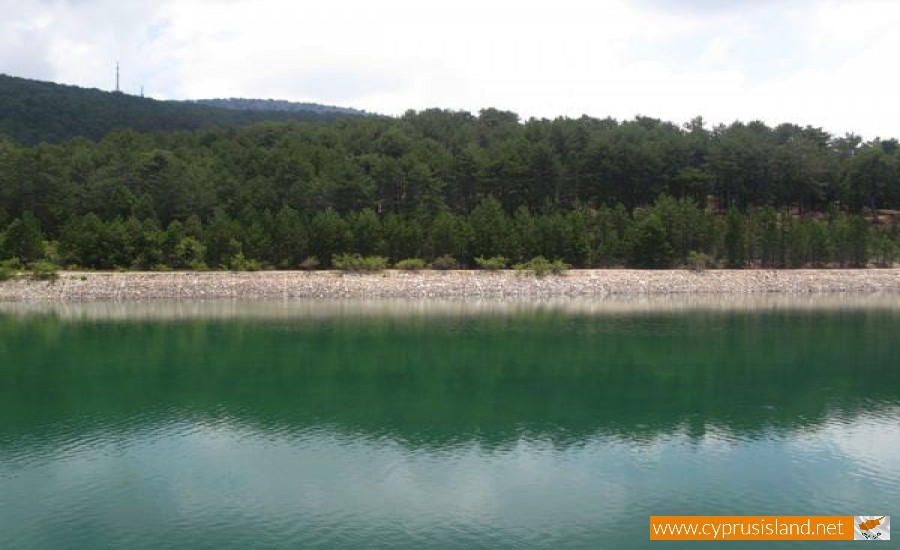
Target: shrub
(44,271)
(356,262)
(374,263)
(491,264)
(309,263)
(445,262)
(189,251)
(239,262)
(12,263)
(411,264)
(698,261)
(9,269)
(541,266)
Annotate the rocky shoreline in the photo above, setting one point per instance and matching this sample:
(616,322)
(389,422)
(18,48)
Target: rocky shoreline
(143,286)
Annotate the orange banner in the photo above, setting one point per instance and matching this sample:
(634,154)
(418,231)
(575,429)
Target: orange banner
(751,527)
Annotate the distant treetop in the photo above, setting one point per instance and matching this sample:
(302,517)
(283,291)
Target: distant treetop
(276,105)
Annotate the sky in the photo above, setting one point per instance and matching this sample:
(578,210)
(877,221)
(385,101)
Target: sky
(828,63)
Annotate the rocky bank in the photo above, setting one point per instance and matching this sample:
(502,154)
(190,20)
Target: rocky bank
(141,286)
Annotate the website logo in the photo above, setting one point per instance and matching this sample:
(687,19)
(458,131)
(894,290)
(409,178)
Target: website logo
(871,527)
(770,527)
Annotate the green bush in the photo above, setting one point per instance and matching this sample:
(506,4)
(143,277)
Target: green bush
(9,269)
(491,264)
(356,262)
(885,249)
(411,264)
(44,271)
(189,251)
(698,261)
(541,266)
(239,262)
(445,262)
(12,263)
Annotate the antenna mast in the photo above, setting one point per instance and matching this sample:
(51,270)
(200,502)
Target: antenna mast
(117,77)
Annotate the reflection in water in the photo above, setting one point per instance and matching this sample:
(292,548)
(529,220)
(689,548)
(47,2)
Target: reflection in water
(523,427)
(634,304)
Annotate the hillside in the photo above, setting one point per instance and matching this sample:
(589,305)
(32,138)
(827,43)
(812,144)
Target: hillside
(276,105)
(32,111)
(454,188)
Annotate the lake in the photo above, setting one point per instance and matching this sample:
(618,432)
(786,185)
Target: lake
(410,425)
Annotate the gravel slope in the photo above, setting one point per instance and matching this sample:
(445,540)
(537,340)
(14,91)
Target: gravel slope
(128,286)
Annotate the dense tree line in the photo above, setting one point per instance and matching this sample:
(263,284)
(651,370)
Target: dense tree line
(591,192)
(32,112)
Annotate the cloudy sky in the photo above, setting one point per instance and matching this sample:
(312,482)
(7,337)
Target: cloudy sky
(825,63)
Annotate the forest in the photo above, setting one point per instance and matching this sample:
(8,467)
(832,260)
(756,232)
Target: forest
(33,111)
(453,189)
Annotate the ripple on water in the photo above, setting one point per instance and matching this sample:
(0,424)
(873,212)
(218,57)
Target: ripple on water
(444,448)
(319,485)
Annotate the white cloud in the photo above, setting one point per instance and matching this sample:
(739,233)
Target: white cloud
(822,63)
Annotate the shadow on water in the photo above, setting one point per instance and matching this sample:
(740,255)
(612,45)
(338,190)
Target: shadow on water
(429,381)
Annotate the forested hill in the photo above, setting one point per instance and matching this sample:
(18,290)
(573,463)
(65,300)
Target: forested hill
(592,192)
(244,104)
(32,111)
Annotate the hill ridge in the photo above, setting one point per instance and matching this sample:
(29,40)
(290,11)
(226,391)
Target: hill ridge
(34,111)
(277,105)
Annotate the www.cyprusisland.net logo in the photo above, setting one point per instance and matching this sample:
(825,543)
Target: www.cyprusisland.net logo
(872,527)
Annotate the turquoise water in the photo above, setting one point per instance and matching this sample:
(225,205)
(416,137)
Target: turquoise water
(507,427)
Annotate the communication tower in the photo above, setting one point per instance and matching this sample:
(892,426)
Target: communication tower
(117,90)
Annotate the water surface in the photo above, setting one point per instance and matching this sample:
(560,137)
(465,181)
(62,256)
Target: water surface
(459,426)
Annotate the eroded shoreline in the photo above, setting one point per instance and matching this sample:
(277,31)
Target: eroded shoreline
(269,285)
